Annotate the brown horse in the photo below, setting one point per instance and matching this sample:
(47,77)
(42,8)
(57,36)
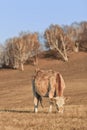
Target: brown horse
(48,84)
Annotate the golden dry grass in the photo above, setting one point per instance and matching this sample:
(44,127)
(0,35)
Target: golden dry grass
(16,100)
(74,118)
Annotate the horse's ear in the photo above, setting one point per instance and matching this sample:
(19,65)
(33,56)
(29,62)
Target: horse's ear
(37,69)
(54,98)
(67,99)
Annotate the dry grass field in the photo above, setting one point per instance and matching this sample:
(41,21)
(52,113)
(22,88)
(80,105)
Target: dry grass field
(16,100)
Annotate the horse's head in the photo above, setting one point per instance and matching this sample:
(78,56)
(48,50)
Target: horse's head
(59,101)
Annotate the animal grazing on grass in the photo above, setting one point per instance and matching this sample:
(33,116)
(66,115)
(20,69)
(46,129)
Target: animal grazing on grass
(48,83)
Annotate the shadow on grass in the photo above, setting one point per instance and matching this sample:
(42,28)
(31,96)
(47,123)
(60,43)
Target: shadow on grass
(16,111)
(26,111)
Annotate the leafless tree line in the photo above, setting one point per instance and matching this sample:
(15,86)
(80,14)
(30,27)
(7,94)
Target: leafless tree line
(18,50)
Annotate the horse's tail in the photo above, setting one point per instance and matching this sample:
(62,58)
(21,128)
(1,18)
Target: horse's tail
(61,84)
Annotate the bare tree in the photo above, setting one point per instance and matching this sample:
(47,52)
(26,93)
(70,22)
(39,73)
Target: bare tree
(33,45)
(72,32)
(19,49)
(82,38)
(1,56)
(55,39)
(16,52)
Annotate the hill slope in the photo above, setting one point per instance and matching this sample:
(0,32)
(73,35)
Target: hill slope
(15,86)
(16,99)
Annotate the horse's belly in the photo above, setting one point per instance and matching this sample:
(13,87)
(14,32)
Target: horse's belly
(42,88)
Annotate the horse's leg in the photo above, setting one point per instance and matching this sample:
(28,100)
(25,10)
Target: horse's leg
(50,108)
(51,94)
(50,101)
(35,104)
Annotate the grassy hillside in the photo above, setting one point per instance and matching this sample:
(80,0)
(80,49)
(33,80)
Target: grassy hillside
(16,99)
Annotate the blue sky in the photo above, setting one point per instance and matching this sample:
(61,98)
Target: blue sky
(37,15)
